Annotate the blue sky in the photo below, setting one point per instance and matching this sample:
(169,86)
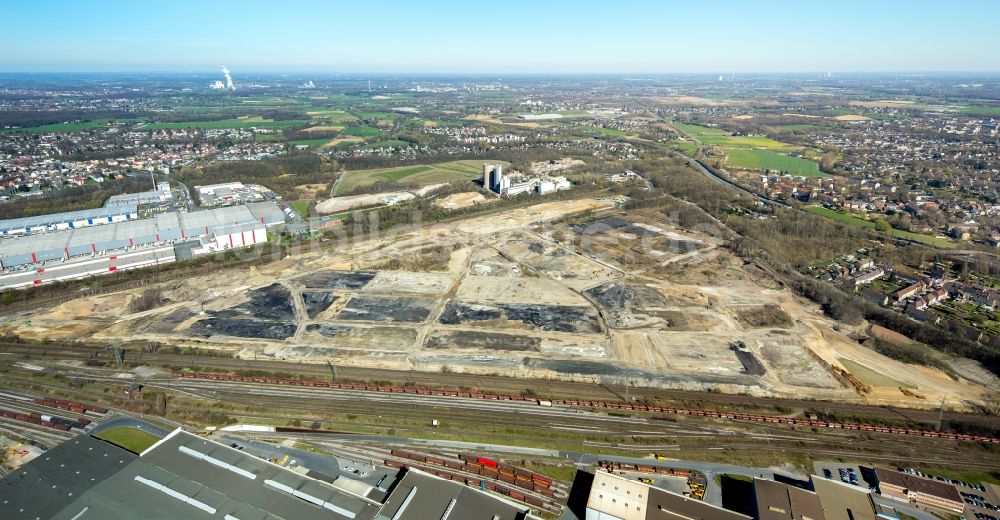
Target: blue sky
(556,36)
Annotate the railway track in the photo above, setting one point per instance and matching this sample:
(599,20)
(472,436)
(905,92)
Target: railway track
(301,401)
(761,437)
(552,389)
(420,391)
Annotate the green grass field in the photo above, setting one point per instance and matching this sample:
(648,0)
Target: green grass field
(981,110)
(380,116)
(719,137)
(419,175)
(862,223)
(603,132)
(754,152)
(247,122)
(684,146)
(361,131)
(301,206)
(765,160)
(131,439)
(332,116)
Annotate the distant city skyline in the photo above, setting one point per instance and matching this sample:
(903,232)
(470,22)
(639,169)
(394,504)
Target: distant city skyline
(502,37)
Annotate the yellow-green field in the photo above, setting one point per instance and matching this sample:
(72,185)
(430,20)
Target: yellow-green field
(754,152)
(332,116)
(131,439)
(419,175)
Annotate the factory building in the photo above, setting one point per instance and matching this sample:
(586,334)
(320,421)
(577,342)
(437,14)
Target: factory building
(127,244)
(614,497)
(184,476)
(501,184)
(240,235)
(618,498)
(779,501)
(160,195)
(68,220)
(919,491)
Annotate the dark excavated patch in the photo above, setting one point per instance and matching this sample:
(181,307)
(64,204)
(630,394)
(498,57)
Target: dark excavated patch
(560,318)
(327,329)
(343,280)
(269,314)
(317,302)
(384,308)
(243,328)
(273,302)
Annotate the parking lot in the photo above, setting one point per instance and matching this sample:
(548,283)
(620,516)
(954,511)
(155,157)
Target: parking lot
(846,472)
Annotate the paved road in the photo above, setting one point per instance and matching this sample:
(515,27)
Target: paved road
(324,464)
(722,180)
(125,421)
(188,201)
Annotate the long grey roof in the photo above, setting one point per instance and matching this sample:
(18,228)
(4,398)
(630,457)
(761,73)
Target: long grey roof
(163,227)
(67,216)
(419,496)
(54,479)
(187,477)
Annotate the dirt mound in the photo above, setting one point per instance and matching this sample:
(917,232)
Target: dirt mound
(889,336)
(462,200)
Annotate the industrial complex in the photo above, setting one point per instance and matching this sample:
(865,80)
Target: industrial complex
(130,231)
(495,180)
(186,476)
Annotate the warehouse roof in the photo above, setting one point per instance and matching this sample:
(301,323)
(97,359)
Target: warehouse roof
(57,477)
(619,497)
(916,484)
(844,501)
(117,235)
(420,496)
(780,501)
(68,216)
(664,505)
(628,499)
(185,476)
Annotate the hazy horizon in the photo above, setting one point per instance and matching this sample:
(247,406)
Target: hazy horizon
(519,37)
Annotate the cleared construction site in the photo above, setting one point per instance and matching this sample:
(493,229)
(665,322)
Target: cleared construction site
(596,297)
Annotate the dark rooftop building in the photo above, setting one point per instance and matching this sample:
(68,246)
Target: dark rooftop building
(844,501)
(42,487)
(186,476)
(779,501)
(419,496)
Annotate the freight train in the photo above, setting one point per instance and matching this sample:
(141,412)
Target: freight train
(487,468)
(456,392)
(51,421)
(508,474)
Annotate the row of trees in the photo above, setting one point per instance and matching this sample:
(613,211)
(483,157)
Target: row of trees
(282,174)
(72,198)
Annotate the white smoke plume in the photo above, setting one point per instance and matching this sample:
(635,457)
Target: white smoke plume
(229,79)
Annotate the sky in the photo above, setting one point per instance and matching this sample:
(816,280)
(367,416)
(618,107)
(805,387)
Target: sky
(500,36)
